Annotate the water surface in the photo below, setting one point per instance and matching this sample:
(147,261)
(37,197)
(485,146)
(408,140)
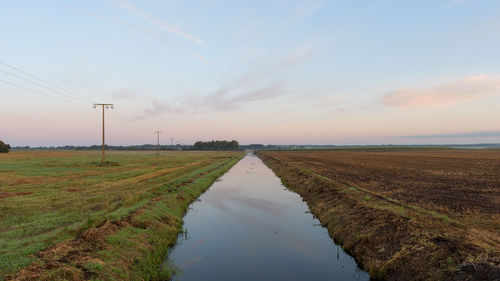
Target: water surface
(248,226)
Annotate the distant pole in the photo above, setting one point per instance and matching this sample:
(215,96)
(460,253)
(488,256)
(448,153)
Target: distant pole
(107,105)
(158,139)
(172,141)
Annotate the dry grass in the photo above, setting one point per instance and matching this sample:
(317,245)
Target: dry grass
(59,211)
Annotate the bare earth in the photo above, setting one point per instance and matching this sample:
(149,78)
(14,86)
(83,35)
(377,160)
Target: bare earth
(405,214)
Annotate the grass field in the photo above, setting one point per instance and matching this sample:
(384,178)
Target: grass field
(404,214)
(65,216)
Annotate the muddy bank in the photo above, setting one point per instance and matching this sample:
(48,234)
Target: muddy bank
(391,239)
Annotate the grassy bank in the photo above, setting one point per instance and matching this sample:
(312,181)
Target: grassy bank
(404,215)
(64,216)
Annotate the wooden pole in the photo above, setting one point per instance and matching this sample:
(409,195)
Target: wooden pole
(107,105)
(158,141)
(103,134)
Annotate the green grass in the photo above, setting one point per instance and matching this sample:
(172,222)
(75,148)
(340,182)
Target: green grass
(47,197)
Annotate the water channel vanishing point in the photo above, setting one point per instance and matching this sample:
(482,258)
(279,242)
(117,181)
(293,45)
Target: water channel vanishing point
(248,226)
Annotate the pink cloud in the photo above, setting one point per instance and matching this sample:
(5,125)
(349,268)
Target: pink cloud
(466,89)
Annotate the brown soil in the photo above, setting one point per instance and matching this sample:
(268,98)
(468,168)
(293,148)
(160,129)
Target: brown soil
(461,181)
(12,194)
(404,215)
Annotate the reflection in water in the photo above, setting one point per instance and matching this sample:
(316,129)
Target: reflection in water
(248,227)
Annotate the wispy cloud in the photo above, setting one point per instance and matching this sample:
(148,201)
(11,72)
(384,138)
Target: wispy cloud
(227,99)
(457,135)
(261,83)
(127,93)
(133,10)
(257,85)
(466,89)
(275,66)
(300,13)
(333,107)
(119,22)
(294,57)
(158,108)
(150,32)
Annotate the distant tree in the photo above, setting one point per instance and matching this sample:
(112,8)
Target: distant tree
(4,148)
(256,146)
(216,145)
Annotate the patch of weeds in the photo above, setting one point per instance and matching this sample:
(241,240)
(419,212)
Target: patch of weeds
(123,237)
(448,264)
(450,261)
(436,215)
(94,266)
(168,270)
(105,164)
(376,271)
(354,189)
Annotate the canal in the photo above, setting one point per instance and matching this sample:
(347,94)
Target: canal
(248,226)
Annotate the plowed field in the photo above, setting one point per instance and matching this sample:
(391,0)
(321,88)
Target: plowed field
(405,214)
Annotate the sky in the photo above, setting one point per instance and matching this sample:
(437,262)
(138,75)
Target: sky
(271,72)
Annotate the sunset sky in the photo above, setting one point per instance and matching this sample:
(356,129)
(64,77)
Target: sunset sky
(272,72)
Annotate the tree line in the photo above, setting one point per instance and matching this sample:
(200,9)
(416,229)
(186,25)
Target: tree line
(4,148)
(216,145)
(211,145)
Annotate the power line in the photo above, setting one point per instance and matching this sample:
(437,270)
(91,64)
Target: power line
(40,93)
(68,93)
(46,82)
(71,96)
(40,85)
(56,92)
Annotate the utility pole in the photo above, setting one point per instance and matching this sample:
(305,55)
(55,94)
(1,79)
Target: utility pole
(172,141)
(158,135)
(107,105)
